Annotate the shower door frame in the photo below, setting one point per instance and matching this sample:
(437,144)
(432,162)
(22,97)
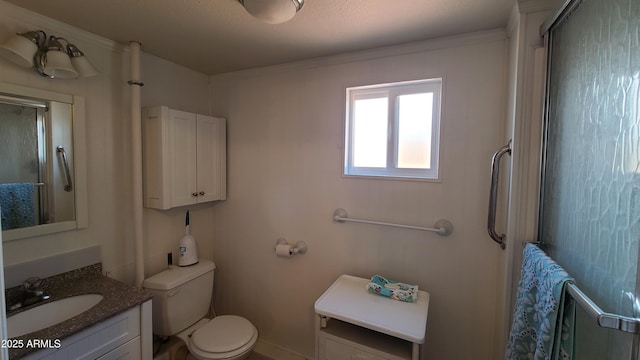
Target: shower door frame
(546,32)
(42,122)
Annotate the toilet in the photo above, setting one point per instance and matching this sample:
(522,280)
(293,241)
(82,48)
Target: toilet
(181,298)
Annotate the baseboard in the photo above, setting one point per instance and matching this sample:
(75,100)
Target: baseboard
(276,352)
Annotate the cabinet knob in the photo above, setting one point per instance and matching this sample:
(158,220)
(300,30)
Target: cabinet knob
(201,192)
(194,194)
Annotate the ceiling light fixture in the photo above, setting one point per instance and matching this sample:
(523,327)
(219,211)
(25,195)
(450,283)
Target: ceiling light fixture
(273,11)
(47,55)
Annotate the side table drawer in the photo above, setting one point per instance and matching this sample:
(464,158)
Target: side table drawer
(344,341)
(336,350)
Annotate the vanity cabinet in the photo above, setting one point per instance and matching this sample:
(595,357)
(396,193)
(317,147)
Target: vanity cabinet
(184,156)
(123,336)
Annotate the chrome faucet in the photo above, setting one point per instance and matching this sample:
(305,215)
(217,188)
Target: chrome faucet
(32,294)
(32,286)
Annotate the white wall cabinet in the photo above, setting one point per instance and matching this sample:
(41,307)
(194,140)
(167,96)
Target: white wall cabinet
(184,157)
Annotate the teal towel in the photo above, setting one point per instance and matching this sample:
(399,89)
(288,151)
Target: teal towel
(16,201)
(393,289)
(543,318)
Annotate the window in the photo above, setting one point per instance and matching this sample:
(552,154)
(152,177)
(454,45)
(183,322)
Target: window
(392,130)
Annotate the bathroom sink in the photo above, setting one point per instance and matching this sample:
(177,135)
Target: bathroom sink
(50,313)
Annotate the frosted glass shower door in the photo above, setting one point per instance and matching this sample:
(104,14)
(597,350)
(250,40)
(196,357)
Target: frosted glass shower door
(590,204)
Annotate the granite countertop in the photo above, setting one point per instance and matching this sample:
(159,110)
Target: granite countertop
(118,297)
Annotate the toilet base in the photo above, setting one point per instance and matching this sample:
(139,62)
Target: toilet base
(173,349)
(177,350)
(191,357)
(184,335)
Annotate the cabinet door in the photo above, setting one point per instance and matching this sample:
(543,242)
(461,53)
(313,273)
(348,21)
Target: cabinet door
(211,154)
(120,334)
(182,145)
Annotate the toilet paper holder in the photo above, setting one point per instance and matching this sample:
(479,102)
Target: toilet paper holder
(299,248)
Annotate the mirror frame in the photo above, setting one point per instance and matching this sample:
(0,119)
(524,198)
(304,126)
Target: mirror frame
(79,162)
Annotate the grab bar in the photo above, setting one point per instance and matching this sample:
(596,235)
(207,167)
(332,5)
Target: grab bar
(493,194)
(69,185)
(604,319)
(442,227)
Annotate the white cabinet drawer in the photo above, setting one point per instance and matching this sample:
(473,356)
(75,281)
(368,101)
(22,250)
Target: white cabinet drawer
(344,341)
(336,350)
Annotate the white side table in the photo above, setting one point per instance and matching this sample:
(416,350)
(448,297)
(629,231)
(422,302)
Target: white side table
(352,323)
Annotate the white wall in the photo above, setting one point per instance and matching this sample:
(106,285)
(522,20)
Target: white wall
(109,148)
(105,120)
(183,89)
(285,128)
(285,148)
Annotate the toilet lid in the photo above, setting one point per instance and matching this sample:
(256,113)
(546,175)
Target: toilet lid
(224,334)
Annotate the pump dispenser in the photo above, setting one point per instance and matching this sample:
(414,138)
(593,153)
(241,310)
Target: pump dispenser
(187,249)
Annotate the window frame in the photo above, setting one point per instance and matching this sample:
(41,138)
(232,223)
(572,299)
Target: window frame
(392,91)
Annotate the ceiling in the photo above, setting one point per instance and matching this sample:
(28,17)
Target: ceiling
(218,36)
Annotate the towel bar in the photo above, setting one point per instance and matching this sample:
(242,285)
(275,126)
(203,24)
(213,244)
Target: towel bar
(605,320)
(442,227)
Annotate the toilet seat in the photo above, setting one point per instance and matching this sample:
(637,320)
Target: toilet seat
(223,337)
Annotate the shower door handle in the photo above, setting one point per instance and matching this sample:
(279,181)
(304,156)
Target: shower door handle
(493,196)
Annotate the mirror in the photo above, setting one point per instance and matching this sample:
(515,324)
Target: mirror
(42,171)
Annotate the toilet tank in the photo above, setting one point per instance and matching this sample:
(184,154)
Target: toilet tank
(181,296)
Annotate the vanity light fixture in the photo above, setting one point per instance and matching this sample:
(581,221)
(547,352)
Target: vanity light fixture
(272,11)
(47,55)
